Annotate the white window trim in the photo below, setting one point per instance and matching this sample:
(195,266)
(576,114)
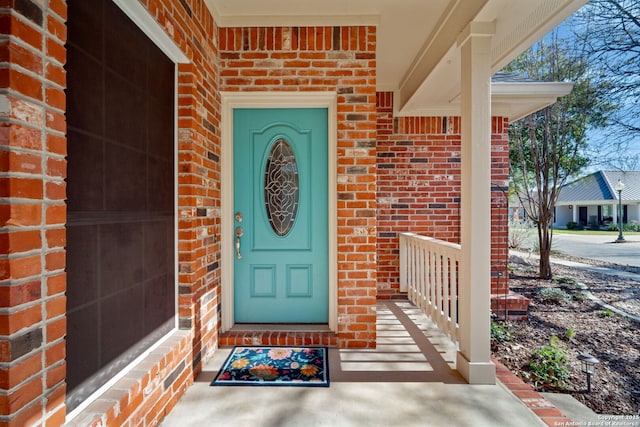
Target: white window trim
(148,25)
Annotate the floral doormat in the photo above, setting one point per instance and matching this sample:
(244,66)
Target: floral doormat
(276,366)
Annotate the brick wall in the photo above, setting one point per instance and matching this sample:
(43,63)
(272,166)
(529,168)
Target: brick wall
(499,205)
(340,59)
(32,205)
(32,194)
(418,162)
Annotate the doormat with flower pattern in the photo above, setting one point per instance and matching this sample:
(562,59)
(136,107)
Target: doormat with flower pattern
(276,366)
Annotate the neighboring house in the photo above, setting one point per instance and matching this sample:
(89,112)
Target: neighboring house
(592,201)
(174,169)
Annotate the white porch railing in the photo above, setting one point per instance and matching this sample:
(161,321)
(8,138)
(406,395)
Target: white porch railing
(429,274)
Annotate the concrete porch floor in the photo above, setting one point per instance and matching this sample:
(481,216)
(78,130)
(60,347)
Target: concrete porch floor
(409,380)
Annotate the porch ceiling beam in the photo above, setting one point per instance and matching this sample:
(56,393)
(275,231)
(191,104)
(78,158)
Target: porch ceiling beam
(437,44)
(474,356)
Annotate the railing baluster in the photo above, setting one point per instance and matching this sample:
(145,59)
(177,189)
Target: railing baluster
(453,323)
(446,284)
(423,269)
(429,275)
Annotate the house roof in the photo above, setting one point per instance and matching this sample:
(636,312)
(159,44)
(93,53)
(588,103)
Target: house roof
(516,96)
(600,186)
(418,42)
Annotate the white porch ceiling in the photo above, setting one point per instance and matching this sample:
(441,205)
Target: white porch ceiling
(417,53)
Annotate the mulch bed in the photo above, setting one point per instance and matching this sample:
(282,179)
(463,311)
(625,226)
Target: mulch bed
(583,327)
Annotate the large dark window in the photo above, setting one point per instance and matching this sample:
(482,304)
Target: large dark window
(120,187)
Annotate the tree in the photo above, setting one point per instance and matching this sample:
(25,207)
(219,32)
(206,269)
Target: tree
(609,31)
(548,147)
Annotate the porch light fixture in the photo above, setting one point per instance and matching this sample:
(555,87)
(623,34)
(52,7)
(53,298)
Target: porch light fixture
(619,187)
(588,366)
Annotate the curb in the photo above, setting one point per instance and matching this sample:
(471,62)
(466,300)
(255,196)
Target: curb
(601,303)
(543,408)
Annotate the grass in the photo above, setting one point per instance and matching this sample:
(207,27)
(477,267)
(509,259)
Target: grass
(593,232)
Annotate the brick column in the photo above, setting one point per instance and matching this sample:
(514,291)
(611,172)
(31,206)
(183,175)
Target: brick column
(32,204)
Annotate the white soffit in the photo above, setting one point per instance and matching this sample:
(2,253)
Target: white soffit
(403,25)
(417,53)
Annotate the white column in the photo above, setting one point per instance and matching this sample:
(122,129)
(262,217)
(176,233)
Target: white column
(575,213)
(473,359)
(615,213)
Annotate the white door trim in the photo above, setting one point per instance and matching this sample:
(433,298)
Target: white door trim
(232,100)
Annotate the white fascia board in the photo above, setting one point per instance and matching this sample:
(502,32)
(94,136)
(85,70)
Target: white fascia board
(531,89)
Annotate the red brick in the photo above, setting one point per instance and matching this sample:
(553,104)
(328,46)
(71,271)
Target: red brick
(56,214)
(56,375)
(18,27)
(18,294)
(56,284)
(55,353)
(29,416)
(56,121)
(57,28)
(12,242)
(24,84)
(56,190)
(56,74)
(547,412)
(22,56)
(19,372)
(14,322)
(20,397)
(56,167)
(24,188)
(56,51)
(56,329)
(56,98)
(20,268)
(56,307)
(57,144)
(21,162)
(22,136)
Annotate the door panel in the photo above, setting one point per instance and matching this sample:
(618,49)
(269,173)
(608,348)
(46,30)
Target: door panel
(280,194)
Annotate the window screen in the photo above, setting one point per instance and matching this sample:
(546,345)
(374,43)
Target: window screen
(120,188)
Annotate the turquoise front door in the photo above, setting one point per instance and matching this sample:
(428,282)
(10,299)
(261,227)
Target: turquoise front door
(281,219)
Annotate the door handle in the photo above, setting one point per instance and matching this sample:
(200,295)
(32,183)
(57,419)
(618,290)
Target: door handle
(239,233)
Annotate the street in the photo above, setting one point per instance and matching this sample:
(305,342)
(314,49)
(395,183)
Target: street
(599,247)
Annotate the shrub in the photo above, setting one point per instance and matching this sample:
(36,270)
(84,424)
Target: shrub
(570,333)
(553,296)
(571,225)
(520,234)
(633,226)
(563,280)
(549,363)
(579,296)
(500,332)
(566,283)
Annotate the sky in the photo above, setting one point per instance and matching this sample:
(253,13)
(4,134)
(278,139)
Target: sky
(598,139)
